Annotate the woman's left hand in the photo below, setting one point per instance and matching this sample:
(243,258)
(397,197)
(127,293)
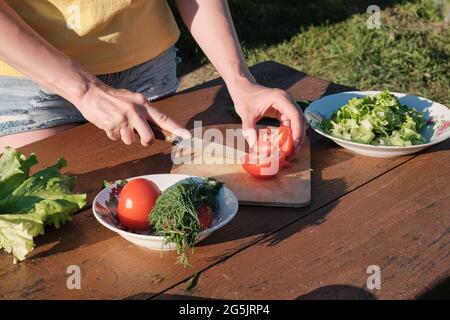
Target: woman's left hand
(253,102)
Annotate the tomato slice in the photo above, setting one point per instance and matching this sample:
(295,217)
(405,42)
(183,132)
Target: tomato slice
(269,156)
(205,215)
(284,140)
(262,166)
(264,142)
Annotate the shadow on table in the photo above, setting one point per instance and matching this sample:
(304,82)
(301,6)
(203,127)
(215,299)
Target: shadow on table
(68,238)
(330,292)
(91,182)
(272,225)
(441,291)
(165,296)
(338,292)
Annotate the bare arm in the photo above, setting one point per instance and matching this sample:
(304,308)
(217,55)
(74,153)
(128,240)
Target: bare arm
(26,51)
(118,112)
(211,25)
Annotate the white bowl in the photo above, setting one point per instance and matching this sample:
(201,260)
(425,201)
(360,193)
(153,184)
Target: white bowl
(105,211)
(436,115)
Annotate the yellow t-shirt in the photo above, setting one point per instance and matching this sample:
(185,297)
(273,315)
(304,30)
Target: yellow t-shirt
(103,36)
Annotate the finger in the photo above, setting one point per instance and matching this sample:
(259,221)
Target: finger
(163,121)
(287,107)
(130,96)
(274,113)
(122,93)
(304,125)
(113,134)
(284,121)
(249,131)
(127,135)
(144,131)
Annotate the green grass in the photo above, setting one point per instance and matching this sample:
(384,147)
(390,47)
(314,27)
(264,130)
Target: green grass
(329,39)
(410,53)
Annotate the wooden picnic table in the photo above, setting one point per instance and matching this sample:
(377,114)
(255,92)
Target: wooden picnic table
(387,212)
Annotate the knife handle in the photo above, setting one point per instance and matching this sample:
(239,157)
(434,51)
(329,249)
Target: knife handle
(161,134)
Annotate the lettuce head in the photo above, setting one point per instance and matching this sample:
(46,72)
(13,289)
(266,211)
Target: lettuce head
(28,203)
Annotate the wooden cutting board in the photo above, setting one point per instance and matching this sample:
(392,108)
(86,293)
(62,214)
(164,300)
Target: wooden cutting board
(290,188)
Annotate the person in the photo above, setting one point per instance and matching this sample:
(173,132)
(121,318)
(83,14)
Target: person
(65,62)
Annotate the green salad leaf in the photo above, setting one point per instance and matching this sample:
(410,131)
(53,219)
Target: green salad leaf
(377,120)
(28,203)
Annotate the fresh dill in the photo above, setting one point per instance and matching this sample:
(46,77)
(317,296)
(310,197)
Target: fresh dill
(175,215)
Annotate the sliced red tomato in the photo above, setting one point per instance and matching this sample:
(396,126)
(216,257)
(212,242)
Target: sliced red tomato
(205,215)
(284,141)
(272,149)
(264,142)
(137,200)
(275,139)
(261,166)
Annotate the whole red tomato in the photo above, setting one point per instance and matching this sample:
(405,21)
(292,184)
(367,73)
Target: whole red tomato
(137,200)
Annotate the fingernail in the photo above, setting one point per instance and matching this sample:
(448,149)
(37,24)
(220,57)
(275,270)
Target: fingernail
(251,141)
(250,136)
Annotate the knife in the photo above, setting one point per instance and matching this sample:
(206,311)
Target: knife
(226,142)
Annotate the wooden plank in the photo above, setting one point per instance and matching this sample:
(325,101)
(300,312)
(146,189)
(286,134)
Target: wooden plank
(114,268)
(399,222)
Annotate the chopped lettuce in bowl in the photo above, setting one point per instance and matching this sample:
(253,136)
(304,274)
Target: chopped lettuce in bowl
(379,123)
(377,120)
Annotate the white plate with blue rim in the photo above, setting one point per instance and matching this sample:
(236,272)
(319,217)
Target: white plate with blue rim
(105,211)
(436,115)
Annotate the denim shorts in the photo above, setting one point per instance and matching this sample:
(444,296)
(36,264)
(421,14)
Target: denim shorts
(24,106)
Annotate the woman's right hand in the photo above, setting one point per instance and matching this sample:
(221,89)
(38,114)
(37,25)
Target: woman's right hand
(120,112)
